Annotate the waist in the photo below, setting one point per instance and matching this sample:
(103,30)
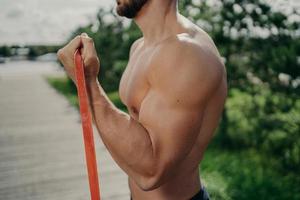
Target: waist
(177,188)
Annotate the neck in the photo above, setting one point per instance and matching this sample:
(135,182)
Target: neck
(158,19)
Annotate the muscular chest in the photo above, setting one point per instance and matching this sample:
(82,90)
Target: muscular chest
(134,84)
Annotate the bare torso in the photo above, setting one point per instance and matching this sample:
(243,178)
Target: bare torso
(133,88)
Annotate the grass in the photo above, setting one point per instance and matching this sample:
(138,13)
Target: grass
(66,87)
(227,174)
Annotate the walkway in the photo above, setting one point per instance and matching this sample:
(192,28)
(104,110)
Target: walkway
(41,146)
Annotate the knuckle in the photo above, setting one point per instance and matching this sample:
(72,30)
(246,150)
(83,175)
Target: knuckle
(74,41)
(60,53)
(77,37)
(90,60)
(89,40)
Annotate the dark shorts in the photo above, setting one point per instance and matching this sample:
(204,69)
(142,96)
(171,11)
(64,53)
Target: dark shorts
(201,195)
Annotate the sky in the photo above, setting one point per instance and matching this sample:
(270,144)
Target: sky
(45,21)
(51,21)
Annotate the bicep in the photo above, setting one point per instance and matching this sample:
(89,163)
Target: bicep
(173,128)
(173,109)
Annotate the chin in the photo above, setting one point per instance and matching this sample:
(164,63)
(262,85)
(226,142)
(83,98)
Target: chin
(129,8)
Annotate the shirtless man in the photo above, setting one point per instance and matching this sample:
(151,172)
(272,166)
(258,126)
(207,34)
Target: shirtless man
(174,87)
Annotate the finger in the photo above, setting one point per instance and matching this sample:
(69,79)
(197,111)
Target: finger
(75,43)
(88,47)
(82,52)
(84,34)
(87,41)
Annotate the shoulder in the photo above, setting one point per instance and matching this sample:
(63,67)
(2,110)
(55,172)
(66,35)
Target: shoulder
(185,49)
(186,55)
(189,68)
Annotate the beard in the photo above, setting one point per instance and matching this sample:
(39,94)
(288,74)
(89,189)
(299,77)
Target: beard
(129,8)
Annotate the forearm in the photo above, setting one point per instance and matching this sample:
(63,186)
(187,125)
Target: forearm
(125,138)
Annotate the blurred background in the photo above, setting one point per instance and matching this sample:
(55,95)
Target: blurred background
(255,153)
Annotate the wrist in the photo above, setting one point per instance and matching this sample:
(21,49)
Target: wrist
(91,81)
(95,93)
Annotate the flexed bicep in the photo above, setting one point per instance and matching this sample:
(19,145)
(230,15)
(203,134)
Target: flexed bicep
(173,128)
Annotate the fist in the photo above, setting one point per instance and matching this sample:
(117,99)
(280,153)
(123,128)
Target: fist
(88,53)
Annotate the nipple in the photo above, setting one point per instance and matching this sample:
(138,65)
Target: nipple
(134,110)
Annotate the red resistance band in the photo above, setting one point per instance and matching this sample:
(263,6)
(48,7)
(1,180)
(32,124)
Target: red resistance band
(86,120)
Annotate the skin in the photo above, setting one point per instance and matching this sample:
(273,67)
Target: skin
(174,87)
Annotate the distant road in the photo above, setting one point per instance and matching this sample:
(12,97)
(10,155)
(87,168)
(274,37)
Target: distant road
(41,146)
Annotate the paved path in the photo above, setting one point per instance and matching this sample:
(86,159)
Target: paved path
(41,146)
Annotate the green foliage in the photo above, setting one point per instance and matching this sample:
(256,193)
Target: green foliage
(5,51)
(38,50)
(235,24)
(114,97)
(66,87)
(263,110)
(232,174)
(246,175)
(267,121)
(257,146)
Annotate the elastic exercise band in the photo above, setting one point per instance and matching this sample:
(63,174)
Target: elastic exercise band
(86,121)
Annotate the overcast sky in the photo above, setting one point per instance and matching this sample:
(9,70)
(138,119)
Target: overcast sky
(51,21)
(44,21)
